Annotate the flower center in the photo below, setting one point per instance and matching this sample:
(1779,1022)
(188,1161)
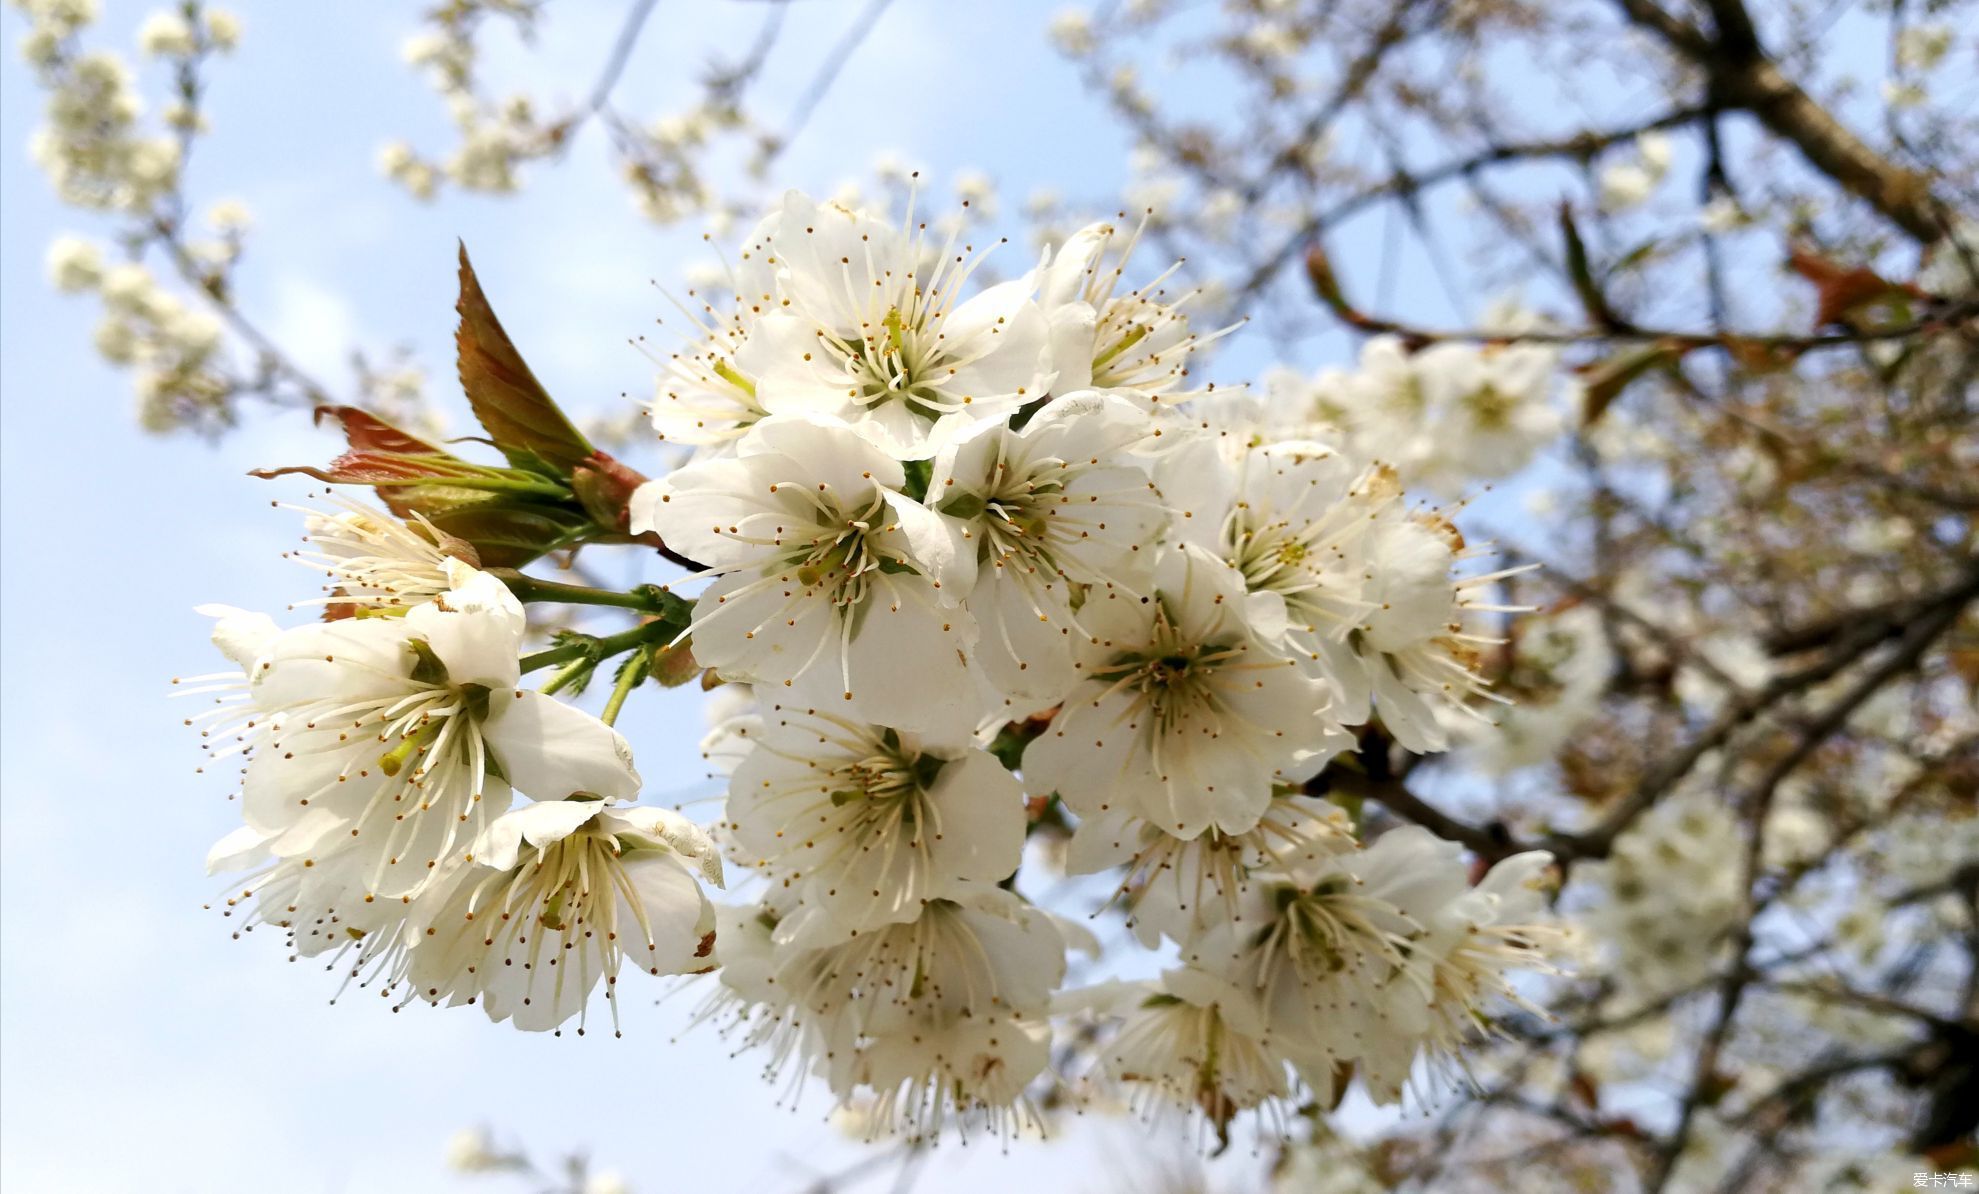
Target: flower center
(841,565)
(1491,410)
(1018,511)
(889,776)
(1175,680)
(900,364)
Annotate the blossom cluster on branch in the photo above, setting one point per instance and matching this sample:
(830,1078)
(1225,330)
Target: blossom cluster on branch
(989,567)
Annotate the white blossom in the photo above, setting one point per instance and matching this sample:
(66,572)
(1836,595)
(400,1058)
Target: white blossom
(223,28)
(166,34)
(1415,651)
(941,1017)
(74,264)
(554,898)
(1671,890)
(470,1150)
(1178,887)
(377,747)
(1071,30)
(1135,344)
(1196,1041)
(1064,502)
(1183,716)
(832,583)
(372,560)
(871,324)
(866,824)
(1372,958)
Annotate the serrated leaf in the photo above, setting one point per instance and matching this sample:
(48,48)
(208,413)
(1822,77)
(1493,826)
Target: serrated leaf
(366,432)
(510,404)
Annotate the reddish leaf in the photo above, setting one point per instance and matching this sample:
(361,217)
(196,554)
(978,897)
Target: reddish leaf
(1758,356)
(381,455)
(366,432)
(384,469)
(1715,1086)
(501,517)
(512,406)
(1623,1125)
(1952,1157)
(1841,290)
(1325,283)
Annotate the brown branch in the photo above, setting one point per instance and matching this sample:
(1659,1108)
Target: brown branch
(1491,842)
(622,46)
(1890,616)
(1872,1002)
(1326,285)
(1741,76)
(1598,841)
(1578,147)
(1910,650)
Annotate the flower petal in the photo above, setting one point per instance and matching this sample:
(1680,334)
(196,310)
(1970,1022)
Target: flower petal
(549,749)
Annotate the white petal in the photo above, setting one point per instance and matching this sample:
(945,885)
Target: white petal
(351,659)
(1028,634)
(539,824)
(475,630)
(676,832)
(1065,278)
(979,831)
(908,660)
(1088,755)
(549,749)
(679,921)
(243,848)
(241,635)
(934,545)
(1103,842)
(764,628)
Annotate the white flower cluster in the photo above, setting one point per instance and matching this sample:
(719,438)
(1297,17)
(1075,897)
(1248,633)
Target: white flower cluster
(92,145)
(174,350)
(383,749)
(982,558)
(937,522)
(1564,665)
(1631,181)
(496,136)
(1329,965)
(1445,417)
(661,160)
(1671,892)
(99,156)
